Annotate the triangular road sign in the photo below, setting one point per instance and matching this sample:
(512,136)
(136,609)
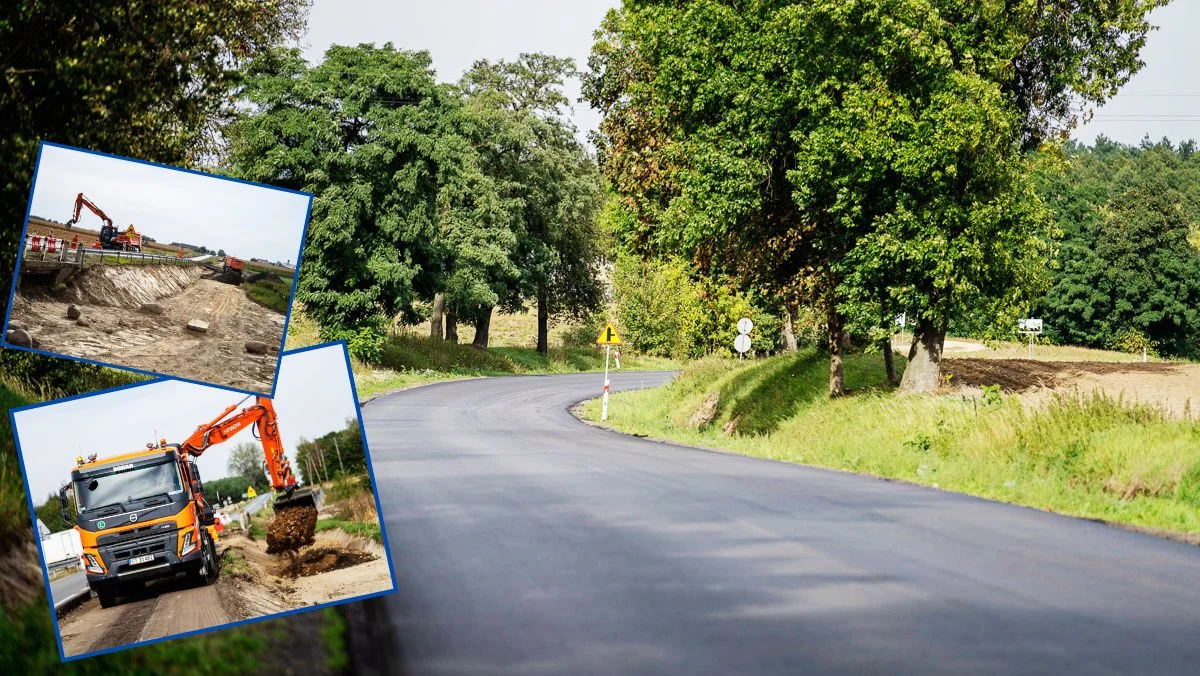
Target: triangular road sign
(608,336)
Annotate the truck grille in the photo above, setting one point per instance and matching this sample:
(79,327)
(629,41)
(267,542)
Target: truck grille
(140,549)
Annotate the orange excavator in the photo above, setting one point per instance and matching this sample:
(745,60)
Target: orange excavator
(143,515)
(110,236)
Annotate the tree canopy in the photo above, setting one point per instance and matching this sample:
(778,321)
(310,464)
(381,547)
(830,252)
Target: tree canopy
(869,156)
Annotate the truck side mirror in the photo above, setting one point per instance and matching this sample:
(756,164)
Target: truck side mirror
(65,505)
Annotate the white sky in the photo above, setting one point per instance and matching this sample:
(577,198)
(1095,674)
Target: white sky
(1163,99)
(246,221)
(314,397)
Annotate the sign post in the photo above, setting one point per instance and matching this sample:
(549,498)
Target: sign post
(1031,328)
(608,338)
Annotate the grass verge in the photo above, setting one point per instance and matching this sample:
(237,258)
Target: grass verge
(269,291)
(1093,457)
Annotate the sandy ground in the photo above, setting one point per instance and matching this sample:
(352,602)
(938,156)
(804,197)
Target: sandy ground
(170,607)
(1171,387)
(122,335)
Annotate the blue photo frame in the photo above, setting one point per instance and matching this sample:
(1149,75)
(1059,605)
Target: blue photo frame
(25,230)
(41,555)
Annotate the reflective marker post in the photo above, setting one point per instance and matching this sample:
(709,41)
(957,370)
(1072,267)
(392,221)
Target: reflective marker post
(604,405)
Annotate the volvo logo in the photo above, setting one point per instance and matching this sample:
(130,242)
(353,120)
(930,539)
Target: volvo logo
(132,518)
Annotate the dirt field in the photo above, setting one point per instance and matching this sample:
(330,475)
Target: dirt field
(89,236)
(119,333)
(1173,388)
(260,587)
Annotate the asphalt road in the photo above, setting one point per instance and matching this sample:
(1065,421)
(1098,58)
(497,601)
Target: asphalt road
(526,542)
(66,587)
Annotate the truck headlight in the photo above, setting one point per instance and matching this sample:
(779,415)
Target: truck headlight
(91,564)
(188,544)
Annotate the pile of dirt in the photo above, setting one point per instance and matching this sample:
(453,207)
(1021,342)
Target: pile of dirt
(325,559)
(1022,375)
(129,286)
(291,529)
(259,276)
(226,277)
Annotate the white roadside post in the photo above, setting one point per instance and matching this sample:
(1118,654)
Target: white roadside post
(608,338)
(1031,328)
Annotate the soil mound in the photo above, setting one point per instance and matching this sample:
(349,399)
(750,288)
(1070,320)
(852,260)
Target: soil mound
(129,286)
(1021,375)
(325,559)
(291,529)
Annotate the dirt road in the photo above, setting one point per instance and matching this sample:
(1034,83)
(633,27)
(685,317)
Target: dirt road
(117,332)
(252,584)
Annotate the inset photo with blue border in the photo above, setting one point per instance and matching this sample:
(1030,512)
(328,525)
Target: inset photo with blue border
(168,508)
(156,269)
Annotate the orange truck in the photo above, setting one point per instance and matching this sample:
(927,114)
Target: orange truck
(143,515)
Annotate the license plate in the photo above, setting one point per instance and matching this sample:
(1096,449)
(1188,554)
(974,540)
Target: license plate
(141,559)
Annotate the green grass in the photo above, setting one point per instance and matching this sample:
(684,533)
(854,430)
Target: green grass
(367,530)
(272,292)
(1091,457)
(234,565)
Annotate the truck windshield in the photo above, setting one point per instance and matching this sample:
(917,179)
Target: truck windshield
(127,484)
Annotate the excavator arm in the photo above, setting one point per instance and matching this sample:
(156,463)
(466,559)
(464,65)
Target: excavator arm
(82,201)
(262,416)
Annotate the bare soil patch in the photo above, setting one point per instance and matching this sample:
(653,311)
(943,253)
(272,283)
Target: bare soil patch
(1171,387)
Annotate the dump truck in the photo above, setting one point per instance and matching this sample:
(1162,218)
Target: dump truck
(143,515)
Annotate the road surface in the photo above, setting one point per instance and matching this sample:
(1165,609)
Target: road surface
(67,587)
(526,542)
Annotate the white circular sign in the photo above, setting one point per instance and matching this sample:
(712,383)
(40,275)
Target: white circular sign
(744,326)
(742,343)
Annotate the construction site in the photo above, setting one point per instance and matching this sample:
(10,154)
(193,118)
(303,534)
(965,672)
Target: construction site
(112,296)
(252,583)
(153,551)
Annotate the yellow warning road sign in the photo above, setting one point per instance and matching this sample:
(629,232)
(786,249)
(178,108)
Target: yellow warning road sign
(608,336)
(250,492)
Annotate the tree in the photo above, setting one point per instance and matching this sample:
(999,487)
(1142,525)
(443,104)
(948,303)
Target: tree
(50,512)
(529,148)
(865,156)
(1127,276)
(246,460)
(402,208)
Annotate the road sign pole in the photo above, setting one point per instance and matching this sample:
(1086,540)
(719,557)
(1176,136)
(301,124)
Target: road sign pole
(604,405)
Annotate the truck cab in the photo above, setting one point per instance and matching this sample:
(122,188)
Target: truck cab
(140,516)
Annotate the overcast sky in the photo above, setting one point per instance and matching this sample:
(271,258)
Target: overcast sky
(246,221)
(314,397)
(1161,100)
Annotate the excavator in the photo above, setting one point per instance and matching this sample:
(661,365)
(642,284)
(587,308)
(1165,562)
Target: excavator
(143,515)
(110,237)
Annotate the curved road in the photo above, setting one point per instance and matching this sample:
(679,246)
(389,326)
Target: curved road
(526,542)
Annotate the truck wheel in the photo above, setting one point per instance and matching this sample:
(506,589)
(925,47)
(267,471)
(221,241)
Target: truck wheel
(211,566)
(108,596)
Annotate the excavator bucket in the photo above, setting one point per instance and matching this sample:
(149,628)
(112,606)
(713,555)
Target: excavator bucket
(295,522)
(301,497)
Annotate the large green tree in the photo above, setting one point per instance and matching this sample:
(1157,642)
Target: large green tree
(859,153)
(529,147)
(402,208)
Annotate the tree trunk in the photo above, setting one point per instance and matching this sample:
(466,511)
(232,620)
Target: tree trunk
(435,318)
(923,373)
(837,332)
(543,321)
(889,361)
(451,325)
(790,314)
(482,324)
